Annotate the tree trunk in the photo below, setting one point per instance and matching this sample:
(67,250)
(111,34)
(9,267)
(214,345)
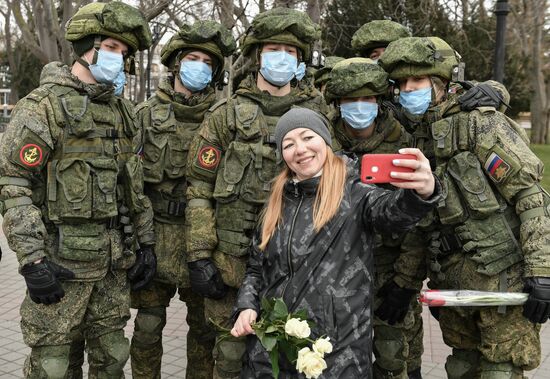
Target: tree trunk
(539,101)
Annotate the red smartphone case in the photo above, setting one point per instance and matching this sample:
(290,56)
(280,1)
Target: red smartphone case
(376,168)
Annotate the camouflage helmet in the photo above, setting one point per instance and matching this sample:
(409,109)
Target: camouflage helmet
(419,56)
(322,75)
(377,33)
(282,25)
(356,77)
(114,19)
(208,36)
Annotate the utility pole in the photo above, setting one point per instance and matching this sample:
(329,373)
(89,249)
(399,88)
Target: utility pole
(502,9)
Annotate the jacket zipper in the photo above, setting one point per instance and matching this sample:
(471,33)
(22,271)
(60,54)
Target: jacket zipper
(290,239)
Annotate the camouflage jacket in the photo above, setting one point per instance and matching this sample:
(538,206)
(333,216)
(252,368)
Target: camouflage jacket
(232,161)
(328,273)
(167,123)
(65,173)
(494,209)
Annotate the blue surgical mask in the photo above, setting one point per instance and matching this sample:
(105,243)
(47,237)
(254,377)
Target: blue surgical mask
(301,71)
(359,114)
(278,67)
(416,102)
(119,83)
(195,75)
(108,66)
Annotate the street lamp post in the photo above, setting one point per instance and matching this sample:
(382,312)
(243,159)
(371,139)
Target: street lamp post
(501,10)
(150,52)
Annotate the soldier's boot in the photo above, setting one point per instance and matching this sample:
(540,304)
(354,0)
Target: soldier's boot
(200,338)
(146,349)
(47,362)
(463,364)
(107,355)
(506,370)
(415,374)
(76,360)
(228,356)
(390,352)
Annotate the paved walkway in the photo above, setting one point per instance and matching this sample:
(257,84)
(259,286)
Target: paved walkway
(13,350)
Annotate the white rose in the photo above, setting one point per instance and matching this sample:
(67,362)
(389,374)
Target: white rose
(297,328)
(310,363)
(322,346)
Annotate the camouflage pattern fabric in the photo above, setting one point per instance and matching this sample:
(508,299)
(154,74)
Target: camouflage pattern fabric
(282,25)
(304,267)
(45,174)
(232,161)
(209,36)
(397,348)
(96,309)
(377,33)
(487,244)
(114,19)
(322,75)
(356,77)
(168,121)
(418,56)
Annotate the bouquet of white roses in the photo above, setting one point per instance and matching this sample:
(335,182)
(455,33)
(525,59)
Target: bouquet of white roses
(282,332)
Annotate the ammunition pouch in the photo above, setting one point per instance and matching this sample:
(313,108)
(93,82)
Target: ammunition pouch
(235,225)
(82,189)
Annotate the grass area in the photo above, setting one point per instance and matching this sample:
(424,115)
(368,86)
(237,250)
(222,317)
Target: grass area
(543,152)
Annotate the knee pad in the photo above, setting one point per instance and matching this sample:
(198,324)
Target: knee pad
(50,362)
(228,354)
(108,353)
(505,370)
(462,364)
(148,325)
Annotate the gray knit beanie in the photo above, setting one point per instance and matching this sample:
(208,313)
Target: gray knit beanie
(301,118)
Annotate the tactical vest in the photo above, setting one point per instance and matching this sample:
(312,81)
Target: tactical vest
(475,219)
(91,173)
(166,144)
(244,177)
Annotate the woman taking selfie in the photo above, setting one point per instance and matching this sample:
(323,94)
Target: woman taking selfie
(314,245)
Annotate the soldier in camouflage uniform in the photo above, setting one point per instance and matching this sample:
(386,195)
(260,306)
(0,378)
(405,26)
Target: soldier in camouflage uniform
(169,120)
(491,231)
(366,125)
(71,193)
(371,39)
(232,161)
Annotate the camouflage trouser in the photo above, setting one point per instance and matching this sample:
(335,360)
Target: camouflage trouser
(146,348)
(486,343)
(97,311)
(229,351)
(397,348)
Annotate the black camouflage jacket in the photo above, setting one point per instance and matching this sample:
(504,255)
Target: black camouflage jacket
(328,273)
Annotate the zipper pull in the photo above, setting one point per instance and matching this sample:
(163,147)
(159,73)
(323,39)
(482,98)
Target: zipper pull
(296,194)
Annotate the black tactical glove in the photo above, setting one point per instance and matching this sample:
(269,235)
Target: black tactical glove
(537,307)
(43,281)
(143,271)
(482,95)
(396,302)
(206,280)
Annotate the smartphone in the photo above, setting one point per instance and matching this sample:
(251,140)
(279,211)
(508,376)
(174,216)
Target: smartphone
(376,168)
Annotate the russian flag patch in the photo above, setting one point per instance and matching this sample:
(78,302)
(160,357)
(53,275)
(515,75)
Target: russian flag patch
(496,167)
